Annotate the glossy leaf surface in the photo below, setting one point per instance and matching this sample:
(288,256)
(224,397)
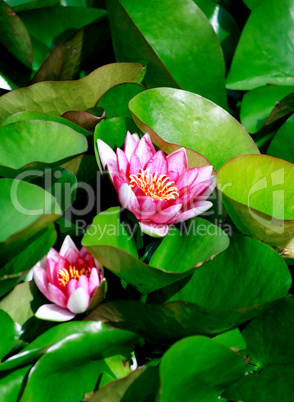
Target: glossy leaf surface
(282,145)
(258,104)
(177,41)
(59,97)
(186,119)
(111,243)
(257,192)
(202,379)
(260,57)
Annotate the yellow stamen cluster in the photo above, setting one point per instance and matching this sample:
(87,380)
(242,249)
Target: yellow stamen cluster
(65,275)
(158,188)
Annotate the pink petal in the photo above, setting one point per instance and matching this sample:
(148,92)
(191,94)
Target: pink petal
(122,161)
(56,295)
(106,154)
(148,207)
(83,282)
(167,214)
(41,279)
(70,287)
(78,301)
(204,173)
(173,175)
(130,145)
(51,312)
(154,230)
(210,189)
(199,188)
(157,164)
(143,151)
(135,165)
(128,199)
(53,254)
(148,139)
(67,243)
(199,208)
(178,161)
(93,281)
(72,256)
(187,179)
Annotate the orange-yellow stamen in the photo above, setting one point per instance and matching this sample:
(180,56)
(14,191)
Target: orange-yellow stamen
(66,274)
(158,188)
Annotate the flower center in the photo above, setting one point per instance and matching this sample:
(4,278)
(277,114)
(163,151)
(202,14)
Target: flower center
(158,188)
(66,274)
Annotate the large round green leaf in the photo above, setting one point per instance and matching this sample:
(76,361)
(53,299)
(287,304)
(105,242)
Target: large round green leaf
(271,350)
(25,208)
(257,191)
(282,145)
(37,144)
(77,356)
(59,97)
(177,256)
(258,104)
(203,368)
(262,275)
(209,302)
(262,56)
(177,41)
(186,119)
(43,116)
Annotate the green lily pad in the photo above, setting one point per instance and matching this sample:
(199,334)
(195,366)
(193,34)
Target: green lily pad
(25,208)
(115,100)
(257,191)
(186,119)
(58,97)
(202,367)
(78,355)
(282,145)
(37,144)
(43,116)
(262,272)
(271,350)
(177,41)
(260,57)
(112,244)
(201,304)
(258,104)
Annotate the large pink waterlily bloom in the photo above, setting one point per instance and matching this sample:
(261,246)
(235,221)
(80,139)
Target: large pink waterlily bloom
(160,190)
(70,279)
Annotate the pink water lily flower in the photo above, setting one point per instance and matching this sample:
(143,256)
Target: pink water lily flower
(71,279)
(160,190)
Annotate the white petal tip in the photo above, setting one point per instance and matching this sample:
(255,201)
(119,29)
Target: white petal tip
(78,301)
(52,312)
(154,230)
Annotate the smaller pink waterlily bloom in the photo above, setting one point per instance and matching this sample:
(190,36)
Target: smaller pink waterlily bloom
(160,190)
(71,279)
